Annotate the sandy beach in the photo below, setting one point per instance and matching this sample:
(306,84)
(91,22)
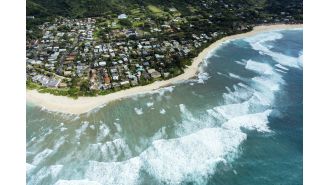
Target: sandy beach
(84,104)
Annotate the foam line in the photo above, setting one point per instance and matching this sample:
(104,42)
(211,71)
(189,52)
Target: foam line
(149,104)
(258,67)
(174,160)
(40,157)
(281,67)
(104,131)
(138,111)
(82,129)
(259,41)
(162,111)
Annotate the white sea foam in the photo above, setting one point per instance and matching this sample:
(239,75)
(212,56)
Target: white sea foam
(172,161)
(31,141)
(281,71)
(237,96)
(104,131)
(266,82)
(259,43)
(164,90)
(232,75)
(55,170)
(105,151)
(284,59)
(47,171)
(138,111)
(116,173)
(221,74)
(244,86)
(243,63)
(160,134)
(232,110)
(29,168)
(300,59)
(96,109)
(214,114)
(34,146)
(59,143)
(202,77)
(122,146)
(228,89)
(42,156)
(191,122)
(76,182)
(149,104)
(63,129)
(281,67)
(257,121)
(176,160)
(258,67)
(264,37)
(108,151)
(206,61)
(76,118)
(162,111)
(82,129)
(161,91)
(118,127)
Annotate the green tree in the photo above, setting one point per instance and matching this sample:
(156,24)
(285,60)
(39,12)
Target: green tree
(84,86)
(125,22)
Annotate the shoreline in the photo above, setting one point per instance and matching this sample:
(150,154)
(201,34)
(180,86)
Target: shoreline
(82,105)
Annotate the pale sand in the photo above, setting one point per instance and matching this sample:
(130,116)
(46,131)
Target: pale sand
(84,104)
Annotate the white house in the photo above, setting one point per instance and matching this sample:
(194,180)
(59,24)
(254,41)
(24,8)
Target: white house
(102,63)
(122,16)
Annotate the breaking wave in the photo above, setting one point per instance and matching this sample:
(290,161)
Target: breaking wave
(138,111)
(260,44)
(162,111)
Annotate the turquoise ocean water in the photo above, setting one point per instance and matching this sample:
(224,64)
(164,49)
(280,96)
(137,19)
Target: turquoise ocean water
(239,123)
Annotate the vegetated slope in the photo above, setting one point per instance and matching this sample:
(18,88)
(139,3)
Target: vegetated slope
(91,8)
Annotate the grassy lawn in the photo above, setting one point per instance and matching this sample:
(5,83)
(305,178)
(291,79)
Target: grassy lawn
(118,26)
(154,9)
(157,11)
(138,23)
(96,34)
(135,11)
(176,14)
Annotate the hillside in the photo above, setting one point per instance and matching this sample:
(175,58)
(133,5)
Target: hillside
(91,8)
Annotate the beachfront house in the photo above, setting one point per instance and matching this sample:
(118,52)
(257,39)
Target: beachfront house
(154,74)
(125,83)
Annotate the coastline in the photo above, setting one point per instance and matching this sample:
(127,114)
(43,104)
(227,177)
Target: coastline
(82,105)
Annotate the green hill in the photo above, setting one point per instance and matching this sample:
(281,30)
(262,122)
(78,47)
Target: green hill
(91,8)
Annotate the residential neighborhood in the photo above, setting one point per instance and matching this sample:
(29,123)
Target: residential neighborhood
(100,55)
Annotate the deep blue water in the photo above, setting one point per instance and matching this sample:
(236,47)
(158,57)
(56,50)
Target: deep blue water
(276,158)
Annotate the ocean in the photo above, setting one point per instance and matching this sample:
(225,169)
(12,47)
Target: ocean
(239,123)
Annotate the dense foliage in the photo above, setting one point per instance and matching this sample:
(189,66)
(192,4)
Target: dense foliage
(92,8)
